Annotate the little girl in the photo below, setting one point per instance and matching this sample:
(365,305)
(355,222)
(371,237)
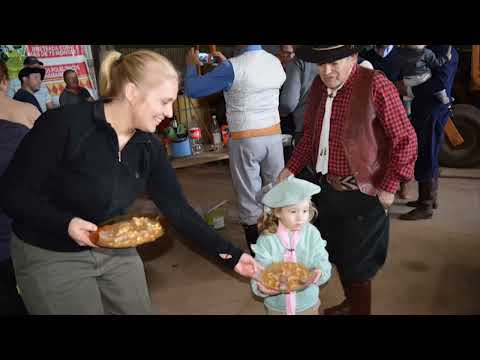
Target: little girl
(288,236)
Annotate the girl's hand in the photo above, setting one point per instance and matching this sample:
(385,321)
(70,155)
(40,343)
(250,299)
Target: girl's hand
(315,276)
(267,291)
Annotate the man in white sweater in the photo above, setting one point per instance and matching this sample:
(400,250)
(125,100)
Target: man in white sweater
(250,83)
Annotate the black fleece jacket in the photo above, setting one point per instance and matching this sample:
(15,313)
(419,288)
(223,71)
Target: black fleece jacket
(69,166)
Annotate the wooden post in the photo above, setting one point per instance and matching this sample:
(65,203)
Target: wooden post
(476,67)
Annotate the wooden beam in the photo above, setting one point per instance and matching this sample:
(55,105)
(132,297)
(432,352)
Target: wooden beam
(475,67)
(203,158)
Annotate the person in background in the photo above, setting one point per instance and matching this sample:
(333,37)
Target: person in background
(294,98)
(418,62)
(31,79)
(42,95)
(16,119)
(386,59)
(286,54)
(73,92)
(250,83)
(429,116)
(364,63)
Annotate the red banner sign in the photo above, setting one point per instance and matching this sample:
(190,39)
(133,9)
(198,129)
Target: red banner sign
(55,51)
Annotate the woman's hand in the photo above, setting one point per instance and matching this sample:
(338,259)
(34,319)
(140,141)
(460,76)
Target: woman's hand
(248,267)
(79,230)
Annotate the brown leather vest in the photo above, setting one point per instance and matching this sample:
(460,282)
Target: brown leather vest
(365,143)
(364,140)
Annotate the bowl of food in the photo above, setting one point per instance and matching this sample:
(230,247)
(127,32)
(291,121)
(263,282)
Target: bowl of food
(286,277)
(128,231)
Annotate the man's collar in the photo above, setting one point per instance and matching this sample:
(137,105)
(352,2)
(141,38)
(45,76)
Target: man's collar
(386,51)
(72,90)
(250,48)
(27,90)
(76,90)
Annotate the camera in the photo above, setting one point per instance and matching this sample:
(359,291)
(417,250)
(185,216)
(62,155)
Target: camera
(205,58)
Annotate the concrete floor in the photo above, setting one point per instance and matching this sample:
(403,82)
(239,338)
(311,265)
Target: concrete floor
(433,267)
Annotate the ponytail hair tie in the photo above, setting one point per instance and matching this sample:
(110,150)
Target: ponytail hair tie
(120,59)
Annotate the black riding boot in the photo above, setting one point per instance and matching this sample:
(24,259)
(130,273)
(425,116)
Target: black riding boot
(424,208)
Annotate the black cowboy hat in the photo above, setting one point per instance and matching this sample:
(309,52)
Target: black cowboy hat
(32,60)
(26,71)
(323,54)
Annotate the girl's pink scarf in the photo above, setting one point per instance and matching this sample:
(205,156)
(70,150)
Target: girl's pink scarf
(290,244)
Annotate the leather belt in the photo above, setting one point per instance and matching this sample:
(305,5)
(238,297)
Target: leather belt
(272,130)
(342,183)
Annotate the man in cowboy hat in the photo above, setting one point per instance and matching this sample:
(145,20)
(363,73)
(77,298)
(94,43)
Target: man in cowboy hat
(360,142)
(42,94)
(31,80)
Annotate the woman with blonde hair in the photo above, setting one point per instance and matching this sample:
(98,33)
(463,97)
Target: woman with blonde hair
(86,163)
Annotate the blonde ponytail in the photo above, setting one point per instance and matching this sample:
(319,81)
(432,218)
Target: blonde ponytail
(140,67)
(108,63)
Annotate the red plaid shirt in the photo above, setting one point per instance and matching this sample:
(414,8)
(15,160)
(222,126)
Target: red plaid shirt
(390,113)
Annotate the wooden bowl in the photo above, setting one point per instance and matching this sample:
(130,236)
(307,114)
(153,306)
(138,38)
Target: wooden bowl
(128,231)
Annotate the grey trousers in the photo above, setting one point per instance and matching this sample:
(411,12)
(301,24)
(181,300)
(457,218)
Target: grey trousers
(91,282)
(254,163)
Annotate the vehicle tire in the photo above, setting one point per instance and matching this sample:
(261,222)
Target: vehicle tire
(467,120)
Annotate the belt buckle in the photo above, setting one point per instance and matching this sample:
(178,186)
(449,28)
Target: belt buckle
(342,183)
(335,182)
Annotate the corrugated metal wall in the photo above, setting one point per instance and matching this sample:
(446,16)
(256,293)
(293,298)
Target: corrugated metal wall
(175,53)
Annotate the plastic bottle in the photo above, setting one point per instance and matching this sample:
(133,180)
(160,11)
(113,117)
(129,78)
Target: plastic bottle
(195,137)
(216,134)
